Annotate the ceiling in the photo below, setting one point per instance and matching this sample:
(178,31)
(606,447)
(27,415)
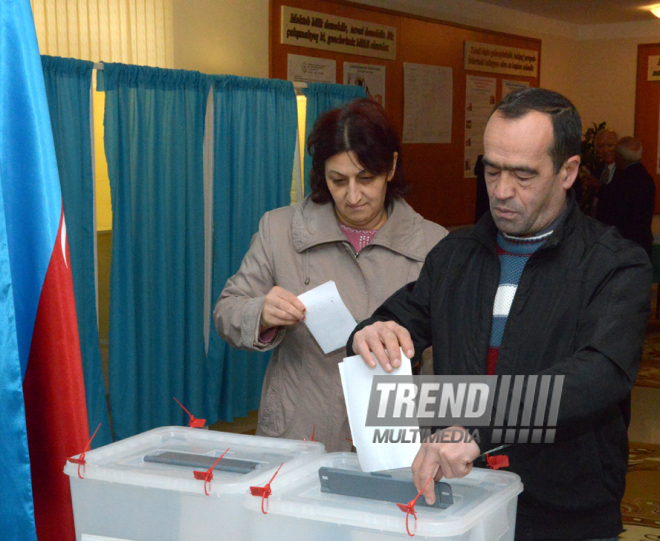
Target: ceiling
(583,11)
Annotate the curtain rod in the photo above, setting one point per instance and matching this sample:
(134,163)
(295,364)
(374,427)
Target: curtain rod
(99,66)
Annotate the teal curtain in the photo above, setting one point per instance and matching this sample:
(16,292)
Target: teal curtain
(68,87)
(255,123)
(154,130)
(322,97)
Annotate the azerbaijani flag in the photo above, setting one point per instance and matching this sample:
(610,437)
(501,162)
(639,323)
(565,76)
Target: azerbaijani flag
(42,391)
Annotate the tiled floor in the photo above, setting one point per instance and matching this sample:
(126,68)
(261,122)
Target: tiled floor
(641,502)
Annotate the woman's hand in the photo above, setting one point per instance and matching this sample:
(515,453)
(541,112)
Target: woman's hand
(281,308)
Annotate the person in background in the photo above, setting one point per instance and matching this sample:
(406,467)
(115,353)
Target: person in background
(354,228)
(605,148)
(482,205)
(628,200)
(534,288)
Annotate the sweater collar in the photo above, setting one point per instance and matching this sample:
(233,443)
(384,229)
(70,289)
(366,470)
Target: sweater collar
(486,230)
(315,224)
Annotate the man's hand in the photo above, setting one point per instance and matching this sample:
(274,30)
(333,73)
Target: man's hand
(383,339)
(281,308)
(438,459)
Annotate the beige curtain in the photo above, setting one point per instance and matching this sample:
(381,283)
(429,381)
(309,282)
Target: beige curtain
(128,31)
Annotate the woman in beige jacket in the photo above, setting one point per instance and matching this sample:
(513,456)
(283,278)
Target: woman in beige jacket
(355,229)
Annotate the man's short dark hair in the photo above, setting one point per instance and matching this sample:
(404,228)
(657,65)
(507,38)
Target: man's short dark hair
(566,123)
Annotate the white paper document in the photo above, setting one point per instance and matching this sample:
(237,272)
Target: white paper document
(310,69)
(356,379)
(427,103)
(327,317)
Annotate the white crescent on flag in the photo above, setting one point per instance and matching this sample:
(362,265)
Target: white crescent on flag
(64,241)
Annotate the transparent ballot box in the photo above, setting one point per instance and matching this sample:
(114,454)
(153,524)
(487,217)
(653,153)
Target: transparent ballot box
(479,507)
(156,486)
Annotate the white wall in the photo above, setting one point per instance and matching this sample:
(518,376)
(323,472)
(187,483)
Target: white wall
(606,83)
(228,37)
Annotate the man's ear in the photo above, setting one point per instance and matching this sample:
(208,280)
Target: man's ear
(569,171)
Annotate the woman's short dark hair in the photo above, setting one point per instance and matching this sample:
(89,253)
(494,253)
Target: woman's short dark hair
(363,127)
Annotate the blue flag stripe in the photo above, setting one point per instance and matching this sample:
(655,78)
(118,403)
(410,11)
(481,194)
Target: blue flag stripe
(27,159)
(17,509)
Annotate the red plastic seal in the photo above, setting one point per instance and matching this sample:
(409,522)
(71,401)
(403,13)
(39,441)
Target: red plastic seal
(81,459)
(265,491)
(497,462)
(409,508)
(207,476)
(193,423)
(313,431)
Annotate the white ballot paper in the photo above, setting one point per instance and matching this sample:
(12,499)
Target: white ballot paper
(356,379)
(327,317)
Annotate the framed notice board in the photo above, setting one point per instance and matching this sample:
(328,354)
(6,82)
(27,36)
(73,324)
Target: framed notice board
(391,40)
(647,110)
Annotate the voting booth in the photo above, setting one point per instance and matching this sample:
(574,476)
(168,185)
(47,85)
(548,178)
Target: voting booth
(167,484)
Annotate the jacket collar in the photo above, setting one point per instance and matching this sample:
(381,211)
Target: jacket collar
(315,224)
(486,230)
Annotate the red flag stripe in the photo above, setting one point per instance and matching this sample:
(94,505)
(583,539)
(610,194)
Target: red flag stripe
(56,411)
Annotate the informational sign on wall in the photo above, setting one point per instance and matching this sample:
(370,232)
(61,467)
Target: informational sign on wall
(653,73)
(500,59)
(479,103)
(512,86)
(370,77)
(331,33)
(427,103)
(309,69)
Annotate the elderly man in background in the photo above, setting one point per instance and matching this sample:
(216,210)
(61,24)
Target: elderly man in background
(628,201)
(590,180)
(605,146)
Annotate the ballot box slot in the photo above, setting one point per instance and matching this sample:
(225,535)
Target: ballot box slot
(193,460)
(379,486)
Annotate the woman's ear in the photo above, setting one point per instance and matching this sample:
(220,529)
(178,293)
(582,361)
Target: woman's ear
(390,175)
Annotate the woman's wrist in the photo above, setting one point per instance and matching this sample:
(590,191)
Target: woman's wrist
(268,335)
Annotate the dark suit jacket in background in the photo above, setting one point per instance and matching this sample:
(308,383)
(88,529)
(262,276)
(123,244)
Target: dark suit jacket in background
(483,203)
(628,202)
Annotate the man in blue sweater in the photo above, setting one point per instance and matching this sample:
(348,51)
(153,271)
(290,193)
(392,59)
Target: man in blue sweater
(535,288)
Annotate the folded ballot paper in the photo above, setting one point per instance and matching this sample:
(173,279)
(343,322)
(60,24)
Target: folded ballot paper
(356,379)
(327,317)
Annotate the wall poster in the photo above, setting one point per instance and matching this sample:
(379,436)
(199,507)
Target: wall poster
(370,77)
(479,103)
(309,69)
(427,103)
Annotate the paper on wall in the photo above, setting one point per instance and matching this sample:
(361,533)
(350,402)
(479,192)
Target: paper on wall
(327,317)
(356,380)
